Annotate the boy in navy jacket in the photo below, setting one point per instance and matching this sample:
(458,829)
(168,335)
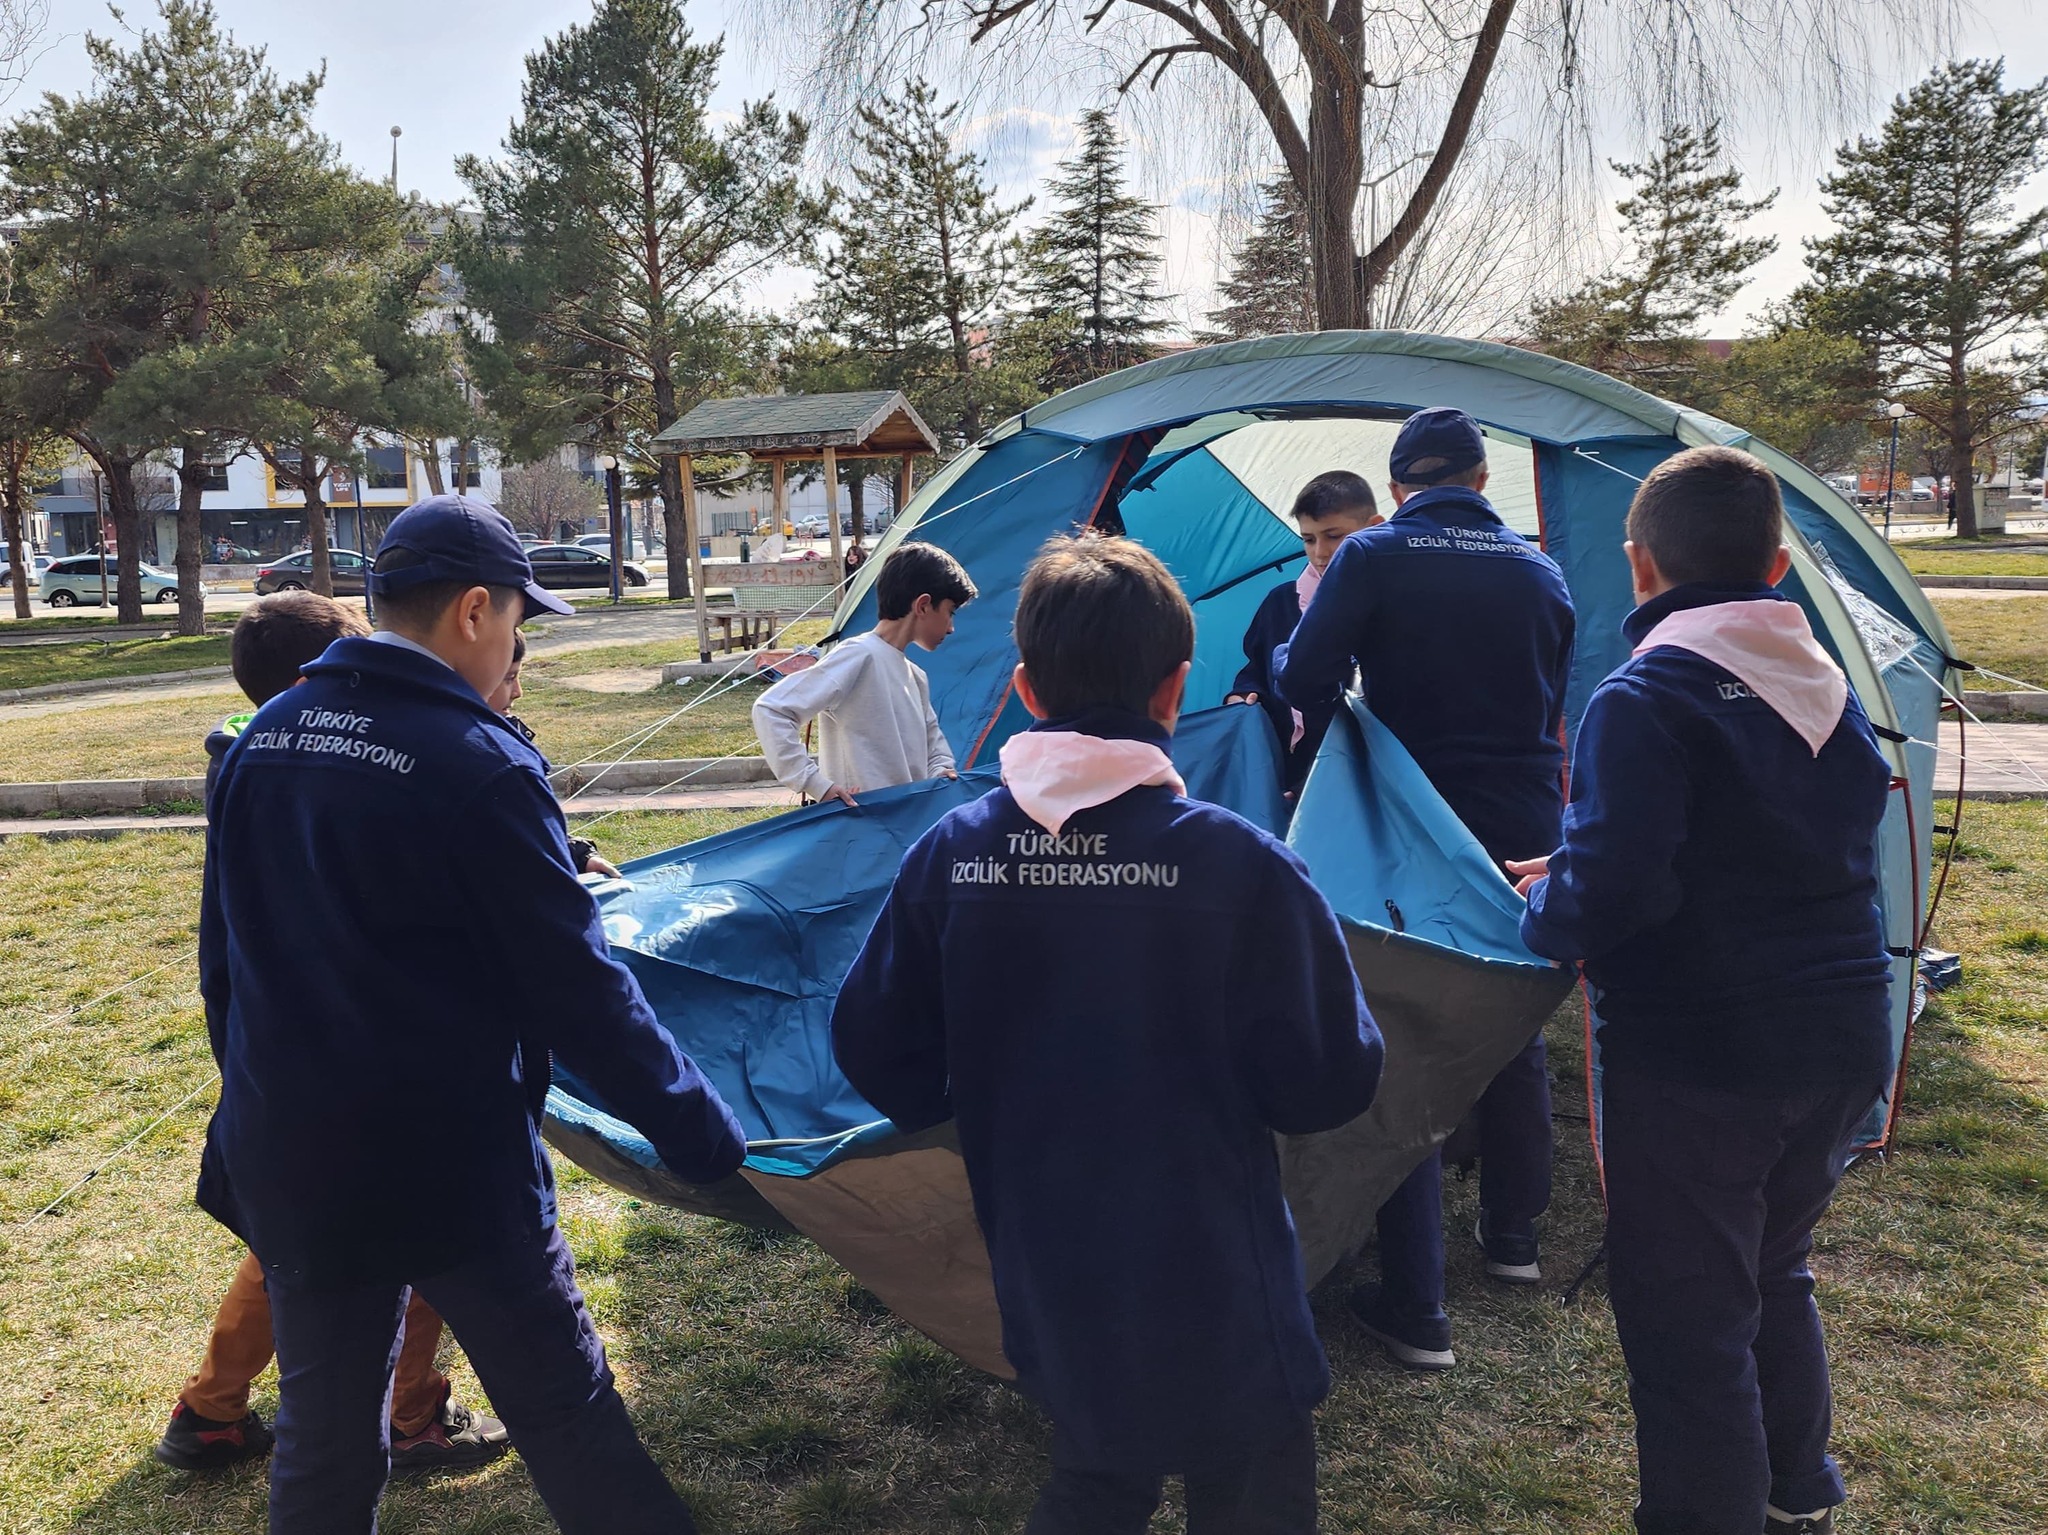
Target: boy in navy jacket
(1084,949)
(1718,876)
(1461,632)
(1330,508)
(392,934)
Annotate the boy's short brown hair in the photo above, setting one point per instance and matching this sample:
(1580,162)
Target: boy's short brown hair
(1334,491)
(920,570)
(1710,515)
(1100,624)
(277,635)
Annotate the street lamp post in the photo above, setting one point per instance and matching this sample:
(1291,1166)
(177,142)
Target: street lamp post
(99,515)
(363,548)
(1891,466)
(610,463)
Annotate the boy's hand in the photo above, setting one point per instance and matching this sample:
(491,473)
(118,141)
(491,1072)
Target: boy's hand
(596,865)
(948,773)
(1242,698)
(839,792)
(1527,871)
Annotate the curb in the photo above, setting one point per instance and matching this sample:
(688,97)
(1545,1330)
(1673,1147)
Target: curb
(112,796)
(92,685)
(2007,706)
(1984,583)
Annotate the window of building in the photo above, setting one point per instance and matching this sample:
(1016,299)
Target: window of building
(384,468)
(465,471)
(287,467)
(216,476)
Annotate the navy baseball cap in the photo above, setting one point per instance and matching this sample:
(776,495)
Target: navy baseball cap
(456,538)
(1440,433)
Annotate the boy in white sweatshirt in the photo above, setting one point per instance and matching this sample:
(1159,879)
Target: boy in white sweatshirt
(873,705)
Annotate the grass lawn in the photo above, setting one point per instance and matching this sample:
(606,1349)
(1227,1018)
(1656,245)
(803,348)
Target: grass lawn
(774,1390)
(25,666)
(1988,556)
(164,737)
(2006,634)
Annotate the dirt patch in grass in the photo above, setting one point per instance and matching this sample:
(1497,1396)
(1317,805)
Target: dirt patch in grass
(780,1396)
(2009,636)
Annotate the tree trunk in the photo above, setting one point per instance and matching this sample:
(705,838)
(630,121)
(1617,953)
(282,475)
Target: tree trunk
(191,550)
(429,451)
(11,511)
(1962,467)
(126,518)
(675,529)
(322,575)
(857,501)
(1337,155)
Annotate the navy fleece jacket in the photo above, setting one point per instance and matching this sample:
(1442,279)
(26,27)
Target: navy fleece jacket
(392,938)
(1719,879)
(1119,1019)
(1462,633)
(1272,626)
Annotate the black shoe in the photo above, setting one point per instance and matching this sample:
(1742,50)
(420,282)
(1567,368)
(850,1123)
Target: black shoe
(1822,1523)
(1510,1257)
(193,1443)
(1419,1345)
(459,1439)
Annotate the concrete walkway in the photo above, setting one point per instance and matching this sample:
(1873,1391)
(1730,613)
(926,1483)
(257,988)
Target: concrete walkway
(2006,761)
(581,812)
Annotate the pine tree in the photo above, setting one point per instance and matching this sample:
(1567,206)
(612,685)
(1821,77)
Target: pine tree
(919,286)
(1685,262)
(1929,265)
(1271,288)
(618,234)
(1092,266)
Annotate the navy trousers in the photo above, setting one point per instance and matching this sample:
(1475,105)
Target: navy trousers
(1270,1490)
(1711,1204)
(1514,1186)
(521,1319)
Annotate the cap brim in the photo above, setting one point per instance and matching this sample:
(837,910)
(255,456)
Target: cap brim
(540,600)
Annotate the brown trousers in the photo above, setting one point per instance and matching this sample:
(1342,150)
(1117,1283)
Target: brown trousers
(240,1348)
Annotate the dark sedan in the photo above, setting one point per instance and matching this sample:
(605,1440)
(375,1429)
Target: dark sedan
(565,565)
(294,573)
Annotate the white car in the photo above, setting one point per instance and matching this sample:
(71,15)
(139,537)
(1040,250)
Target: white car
(75,581)
(37,564)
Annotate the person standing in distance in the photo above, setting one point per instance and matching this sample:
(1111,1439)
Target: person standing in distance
(370,832)
(1461,633)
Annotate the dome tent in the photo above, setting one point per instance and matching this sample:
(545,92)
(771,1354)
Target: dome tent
(740,940)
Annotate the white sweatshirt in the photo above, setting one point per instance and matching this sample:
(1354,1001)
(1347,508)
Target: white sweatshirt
(876,728)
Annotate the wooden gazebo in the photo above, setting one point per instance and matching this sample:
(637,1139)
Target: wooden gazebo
(869,423)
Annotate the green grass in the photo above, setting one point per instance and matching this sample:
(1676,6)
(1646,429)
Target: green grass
(776,1391)
(2005,634)
(1993,555)
(24,666)
(164,737)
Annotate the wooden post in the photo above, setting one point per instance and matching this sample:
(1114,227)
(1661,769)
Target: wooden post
(696,554)
(832,511)
(777,475)
(902,484)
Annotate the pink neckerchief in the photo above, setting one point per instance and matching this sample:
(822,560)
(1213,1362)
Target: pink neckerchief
(1305,586)
(1771,648)
(1052,774)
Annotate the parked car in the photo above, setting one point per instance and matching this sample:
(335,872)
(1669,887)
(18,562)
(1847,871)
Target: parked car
(294,573)
(37,564)
(76,581)
(567,565)
(231,554)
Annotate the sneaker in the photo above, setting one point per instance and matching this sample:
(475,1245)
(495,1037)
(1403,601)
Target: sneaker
(1776,1523)
(1418,1345)
(460,1438)
(193,1443)
(1509,1258)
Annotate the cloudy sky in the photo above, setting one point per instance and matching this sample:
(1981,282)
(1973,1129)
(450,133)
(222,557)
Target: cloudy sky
(448,73)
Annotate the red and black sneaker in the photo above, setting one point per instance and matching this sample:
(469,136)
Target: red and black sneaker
(457,1440)
(193,1443)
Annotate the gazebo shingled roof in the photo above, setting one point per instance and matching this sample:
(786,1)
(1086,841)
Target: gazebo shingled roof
(865,423)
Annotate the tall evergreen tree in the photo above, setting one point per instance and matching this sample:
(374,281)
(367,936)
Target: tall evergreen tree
(1094,262)
(1931,267)
(1271,288)
(618,232)
(1685,261)
(919,288)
